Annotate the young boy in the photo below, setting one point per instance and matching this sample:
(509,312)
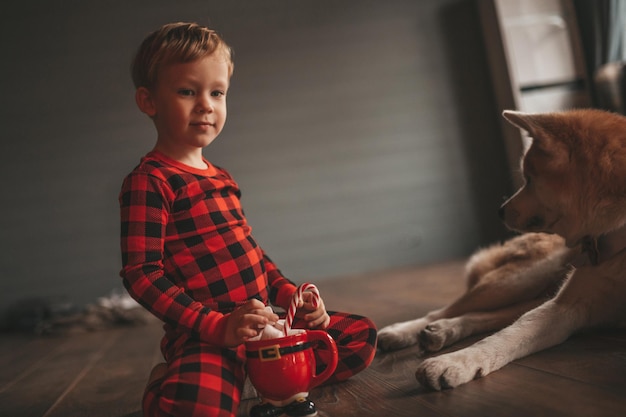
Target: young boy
(187,252)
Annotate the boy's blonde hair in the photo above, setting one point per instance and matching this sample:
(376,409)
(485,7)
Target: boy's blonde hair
(176,43)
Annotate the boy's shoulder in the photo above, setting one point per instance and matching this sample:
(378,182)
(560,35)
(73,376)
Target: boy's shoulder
(149,164)
(151,167)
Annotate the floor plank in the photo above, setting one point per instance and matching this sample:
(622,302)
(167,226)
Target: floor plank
(117,378)
(597,358)
(58,372)
(21,355)
(520,391)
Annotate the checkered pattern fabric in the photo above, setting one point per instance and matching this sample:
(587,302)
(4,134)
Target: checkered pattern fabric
(187,252)
(355,337)
(204,380)
(189,258)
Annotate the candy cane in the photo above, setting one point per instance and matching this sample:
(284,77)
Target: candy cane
(296,299)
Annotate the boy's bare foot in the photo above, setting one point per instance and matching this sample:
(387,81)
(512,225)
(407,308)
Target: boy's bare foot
(158,372)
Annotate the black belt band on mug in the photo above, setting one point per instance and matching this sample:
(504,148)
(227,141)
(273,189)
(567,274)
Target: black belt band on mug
(274,352)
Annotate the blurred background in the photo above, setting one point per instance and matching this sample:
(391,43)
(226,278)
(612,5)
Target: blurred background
(365,135)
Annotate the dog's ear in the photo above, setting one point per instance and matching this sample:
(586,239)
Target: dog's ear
(542,128)
(529,122)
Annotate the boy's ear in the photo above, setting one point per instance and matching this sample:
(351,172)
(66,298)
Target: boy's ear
(143,98)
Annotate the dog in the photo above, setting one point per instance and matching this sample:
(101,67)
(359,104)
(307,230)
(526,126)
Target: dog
(565,272)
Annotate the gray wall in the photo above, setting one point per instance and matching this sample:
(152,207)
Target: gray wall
(362,133)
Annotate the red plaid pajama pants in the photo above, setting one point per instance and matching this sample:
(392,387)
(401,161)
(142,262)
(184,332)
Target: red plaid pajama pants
(206,381)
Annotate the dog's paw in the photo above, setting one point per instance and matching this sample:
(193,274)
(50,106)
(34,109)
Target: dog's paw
(399,335)
(438,335)
(444,372)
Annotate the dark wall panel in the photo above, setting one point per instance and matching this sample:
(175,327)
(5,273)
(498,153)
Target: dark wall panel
(354,131)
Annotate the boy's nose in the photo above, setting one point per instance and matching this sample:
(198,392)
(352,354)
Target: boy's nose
(204,104)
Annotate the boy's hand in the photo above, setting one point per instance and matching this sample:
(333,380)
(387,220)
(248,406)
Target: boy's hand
(246,322)
(316,318)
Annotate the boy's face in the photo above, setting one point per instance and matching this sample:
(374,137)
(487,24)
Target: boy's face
(188,104)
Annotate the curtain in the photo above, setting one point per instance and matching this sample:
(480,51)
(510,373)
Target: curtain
(616,43)
(602,28)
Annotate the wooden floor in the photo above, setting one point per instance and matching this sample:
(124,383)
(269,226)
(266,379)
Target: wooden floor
(102,374)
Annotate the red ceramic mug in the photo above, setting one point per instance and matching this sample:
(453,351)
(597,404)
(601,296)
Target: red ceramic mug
(283,369)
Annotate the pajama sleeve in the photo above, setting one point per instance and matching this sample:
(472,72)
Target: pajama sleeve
(145,202)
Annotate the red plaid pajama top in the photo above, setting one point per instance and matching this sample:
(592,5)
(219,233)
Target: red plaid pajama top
(187,252)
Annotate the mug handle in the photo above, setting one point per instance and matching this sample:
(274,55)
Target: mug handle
(326,339)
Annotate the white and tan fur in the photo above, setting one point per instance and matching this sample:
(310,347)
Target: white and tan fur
(566,272)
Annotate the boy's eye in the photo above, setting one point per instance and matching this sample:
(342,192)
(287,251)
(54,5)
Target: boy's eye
(218,93)
(185,92)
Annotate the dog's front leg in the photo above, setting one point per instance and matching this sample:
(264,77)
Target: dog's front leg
(534,331)
(403,334)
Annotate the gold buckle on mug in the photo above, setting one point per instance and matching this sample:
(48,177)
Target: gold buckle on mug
(270,353)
